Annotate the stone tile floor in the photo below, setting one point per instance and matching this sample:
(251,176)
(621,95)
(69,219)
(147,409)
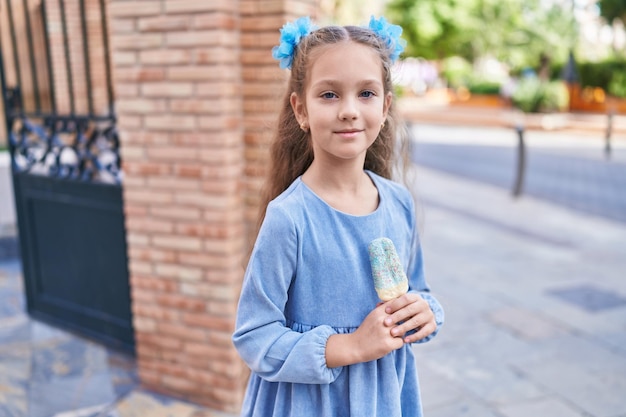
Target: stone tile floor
(48,372)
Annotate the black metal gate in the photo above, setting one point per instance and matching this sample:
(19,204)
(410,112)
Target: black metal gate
(66,166)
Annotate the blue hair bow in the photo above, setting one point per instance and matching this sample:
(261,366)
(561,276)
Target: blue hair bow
(390,34)
(290,36)
(292,33)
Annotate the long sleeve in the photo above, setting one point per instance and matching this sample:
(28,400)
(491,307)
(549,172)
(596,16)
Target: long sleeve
(265,342)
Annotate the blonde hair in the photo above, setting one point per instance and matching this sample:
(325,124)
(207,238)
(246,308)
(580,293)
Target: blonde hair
(291,152)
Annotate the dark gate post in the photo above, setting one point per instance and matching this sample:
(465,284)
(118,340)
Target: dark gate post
(521,161)
(609,133)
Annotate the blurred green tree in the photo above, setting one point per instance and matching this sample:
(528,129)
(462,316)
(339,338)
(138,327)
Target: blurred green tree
(612,10)
(516,32)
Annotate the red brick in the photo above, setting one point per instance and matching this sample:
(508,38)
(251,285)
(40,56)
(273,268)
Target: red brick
(195,106)
(173,183)
(152,283)
(146,168)
(208,322)
(215,262)
(167,89)
(210,379)
(184,333)
(215,21)
(178,272)
(232,276)
(158,340)
(181,385)
(194,6)
(258,23)
(162,57)
(170,122)
(141,106)
(202,73)
(216,55)
(210,351)
(133,8)
(183,243)
(210,291)
(134,41)
(148,196)
(183,303)
(129,74)
(151,378)
(155,312)
(164,23)
(122,25)
(172,153)
(193,38)
(260,40)
(176,212)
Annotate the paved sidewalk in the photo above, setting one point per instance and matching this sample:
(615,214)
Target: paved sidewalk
(48,372)
(535,302)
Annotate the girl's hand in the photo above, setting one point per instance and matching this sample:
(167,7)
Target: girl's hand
(372,340)
(410,312)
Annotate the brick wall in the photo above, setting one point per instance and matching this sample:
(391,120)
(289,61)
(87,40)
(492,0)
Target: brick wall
(177,86)
(196,93)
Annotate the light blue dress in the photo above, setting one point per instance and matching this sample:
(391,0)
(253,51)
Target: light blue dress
(309,277)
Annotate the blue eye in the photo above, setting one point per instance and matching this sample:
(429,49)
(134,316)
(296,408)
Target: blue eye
(367,94)
(329,95)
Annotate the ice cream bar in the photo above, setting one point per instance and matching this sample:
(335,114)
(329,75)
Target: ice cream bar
(390,279)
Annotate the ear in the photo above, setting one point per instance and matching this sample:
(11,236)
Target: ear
(387,104)
(298,107)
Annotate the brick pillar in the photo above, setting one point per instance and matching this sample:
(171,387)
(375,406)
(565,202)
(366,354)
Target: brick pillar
(196,92)
(177,86)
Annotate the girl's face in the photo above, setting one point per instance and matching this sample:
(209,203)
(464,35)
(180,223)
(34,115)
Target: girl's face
(345,102)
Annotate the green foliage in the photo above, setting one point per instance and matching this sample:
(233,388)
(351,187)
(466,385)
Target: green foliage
(515,32)
(617,86)
(456,71)
(399,90)
(483,87)
(533,95)
(432,28)
(610,75)
(596,74)
(612,10)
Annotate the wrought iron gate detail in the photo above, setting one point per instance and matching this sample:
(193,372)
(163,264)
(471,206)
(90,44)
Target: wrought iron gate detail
(64,147)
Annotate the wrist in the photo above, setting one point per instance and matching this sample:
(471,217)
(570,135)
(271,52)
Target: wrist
(341,351)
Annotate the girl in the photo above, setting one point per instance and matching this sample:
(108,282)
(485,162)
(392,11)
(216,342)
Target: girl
(309,324)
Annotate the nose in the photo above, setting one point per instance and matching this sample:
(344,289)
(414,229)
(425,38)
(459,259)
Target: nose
(348,109)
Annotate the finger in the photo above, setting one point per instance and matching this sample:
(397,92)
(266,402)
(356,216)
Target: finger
(412,323)
(421,333)
(406,313)
(399,303)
